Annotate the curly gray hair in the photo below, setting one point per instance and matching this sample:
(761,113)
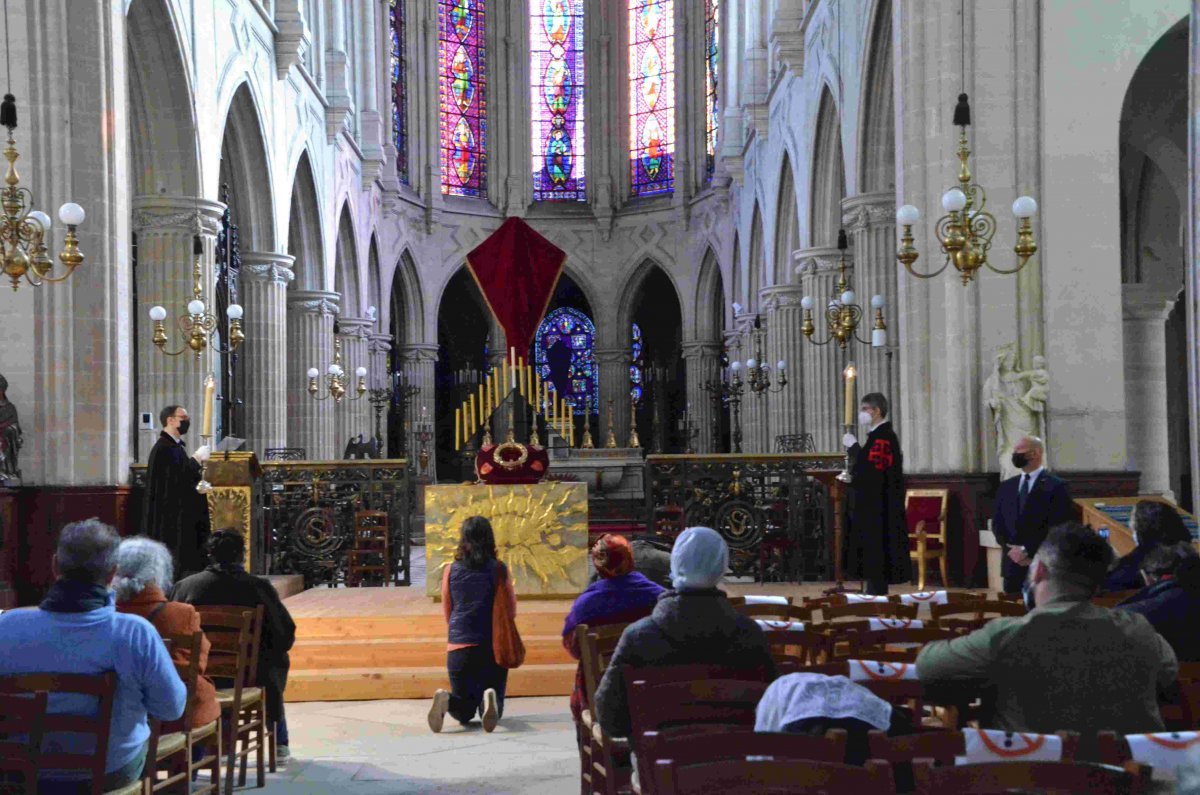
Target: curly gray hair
(141,562)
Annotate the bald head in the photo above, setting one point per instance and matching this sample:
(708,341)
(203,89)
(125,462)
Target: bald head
(1032,449)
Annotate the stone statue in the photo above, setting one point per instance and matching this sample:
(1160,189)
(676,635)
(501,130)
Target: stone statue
(1017,401)
(10,438)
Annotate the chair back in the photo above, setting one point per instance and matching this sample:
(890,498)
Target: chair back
(228,633)
(596,647)
(86,704)
(188,671)
(226,620)
(757,600)
(942,746)
(757,775)
(792,644)
(926,509)
(1164,752)
(21,716)
(1004,777)
(658,705)
(994,745)
(974,614)
(893,645)
(868,610)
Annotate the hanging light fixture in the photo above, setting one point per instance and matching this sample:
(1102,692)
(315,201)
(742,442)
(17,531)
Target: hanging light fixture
(842,315)
(199,325)
(336,377)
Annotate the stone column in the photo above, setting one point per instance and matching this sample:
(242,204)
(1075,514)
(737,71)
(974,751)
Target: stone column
(703,360)
(264,280)
(353,417)
(166,227)
(613,365)
(1191,291)
(742,348)
(416,361)
(370,124)
(870,219)
(1144,311)
(756,421)
(379,376)
(310,344)
(785,342)
(821,366)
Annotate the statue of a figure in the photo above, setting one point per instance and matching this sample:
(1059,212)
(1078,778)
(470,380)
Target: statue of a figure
(10,437)
(1017,401)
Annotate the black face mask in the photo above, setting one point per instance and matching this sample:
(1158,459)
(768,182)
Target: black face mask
(183,427)
(1020,460)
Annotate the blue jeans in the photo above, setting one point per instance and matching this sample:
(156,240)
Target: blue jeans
(121,777)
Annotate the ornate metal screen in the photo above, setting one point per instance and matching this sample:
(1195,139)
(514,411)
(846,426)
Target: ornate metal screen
(775,516)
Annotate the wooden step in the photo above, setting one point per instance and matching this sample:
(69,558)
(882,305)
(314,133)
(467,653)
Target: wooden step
(370,684)
(413,626)
(328,654)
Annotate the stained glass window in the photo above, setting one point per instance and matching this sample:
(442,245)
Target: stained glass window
(651,96)
(712,62)
(556,74)
(399,93)
(635,368)
(564,356)
(463,66)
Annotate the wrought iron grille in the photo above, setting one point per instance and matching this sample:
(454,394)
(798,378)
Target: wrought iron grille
(775,516)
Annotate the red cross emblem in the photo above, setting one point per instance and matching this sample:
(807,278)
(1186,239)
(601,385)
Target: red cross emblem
(881,454)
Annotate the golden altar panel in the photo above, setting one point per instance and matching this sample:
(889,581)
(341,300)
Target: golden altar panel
(541,533)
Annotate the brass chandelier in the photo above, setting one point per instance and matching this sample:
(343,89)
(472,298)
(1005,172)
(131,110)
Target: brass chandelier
(966,230)
(842,314)
(336,378)
(24,231)
(199,325)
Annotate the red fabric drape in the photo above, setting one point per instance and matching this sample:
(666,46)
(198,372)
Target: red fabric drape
(517,270)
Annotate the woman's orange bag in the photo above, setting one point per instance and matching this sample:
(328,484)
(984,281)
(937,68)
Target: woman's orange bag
(507,647)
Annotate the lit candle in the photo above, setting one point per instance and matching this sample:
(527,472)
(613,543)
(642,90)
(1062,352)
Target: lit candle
(850,374)
(529,382)
(458,429)
(482,404)
(512,368)
(474,424)
(571,429)
(209,387)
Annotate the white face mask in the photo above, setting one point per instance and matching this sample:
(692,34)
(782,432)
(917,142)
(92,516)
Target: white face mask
(865,418)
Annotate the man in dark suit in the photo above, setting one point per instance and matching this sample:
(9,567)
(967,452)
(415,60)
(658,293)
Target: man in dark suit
(1027,506)
(174,512)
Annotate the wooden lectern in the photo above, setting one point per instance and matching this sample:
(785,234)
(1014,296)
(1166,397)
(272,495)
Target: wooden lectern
(234,501)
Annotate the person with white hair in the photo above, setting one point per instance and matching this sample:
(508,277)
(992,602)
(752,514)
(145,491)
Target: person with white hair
(1027,506)
(692,624)
(77,630)
(144,571)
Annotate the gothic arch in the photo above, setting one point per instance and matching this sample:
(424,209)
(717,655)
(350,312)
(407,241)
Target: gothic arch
(709,305)
(374,282)
(304,229)
(407,302)
(346,281)
(736,270)
(756,264)
(630,295)
(828,174)
(877,137)
(787,225)
(245,168)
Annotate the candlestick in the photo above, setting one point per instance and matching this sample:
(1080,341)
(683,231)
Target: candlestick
(209,387)
(458,429)
(850,375)
(474,424)
(529,382)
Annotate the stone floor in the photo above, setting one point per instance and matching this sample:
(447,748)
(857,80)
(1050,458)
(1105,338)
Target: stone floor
(378,747)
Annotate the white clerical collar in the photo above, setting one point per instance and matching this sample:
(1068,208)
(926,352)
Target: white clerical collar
(877,425)
(1031,477)
(178,439)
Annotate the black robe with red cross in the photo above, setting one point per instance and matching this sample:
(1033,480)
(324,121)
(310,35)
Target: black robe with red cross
(877,540)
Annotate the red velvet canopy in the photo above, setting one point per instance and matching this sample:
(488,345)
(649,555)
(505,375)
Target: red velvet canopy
(517,270)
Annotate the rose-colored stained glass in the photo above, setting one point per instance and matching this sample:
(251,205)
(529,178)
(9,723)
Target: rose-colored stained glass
(399,72)
(556,72)
(463,95)
(651,96)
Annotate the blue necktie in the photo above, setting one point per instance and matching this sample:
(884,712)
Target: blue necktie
(1023,494)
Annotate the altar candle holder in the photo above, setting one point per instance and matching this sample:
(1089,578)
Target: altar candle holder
(204,487)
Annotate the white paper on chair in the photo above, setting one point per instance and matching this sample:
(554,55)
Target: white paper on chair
(768,625)
(879,671)
(925,598)
(877,624)
(856,598)
(766,600)
(993,745)
(1164,751)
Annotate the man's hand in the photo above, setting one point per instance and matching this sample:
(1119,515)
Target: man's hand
(202,453)
(849,440)
(1018,556)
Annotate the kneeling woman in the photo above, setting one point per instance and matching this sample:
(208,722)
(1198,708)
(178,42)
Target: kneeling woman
(470,586)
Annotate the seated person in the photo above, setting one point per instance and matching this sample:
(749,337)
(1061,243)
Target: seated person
(1171,602)
(651,557)
(77,630)
(144,571)
(1153,524)
(226,582)
(694,624)
(1067,664)
(620,596)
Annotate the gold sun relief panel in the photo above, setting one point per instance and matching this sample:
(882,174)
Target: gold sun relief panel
(541,533)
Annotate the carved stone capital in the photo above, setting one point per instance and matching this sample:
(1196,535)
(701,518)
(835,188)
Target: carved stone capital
(261,266)
(357,327)
(781,295)
(418,352)
(176,215)
(868,210)
(379,343)
(819,259)
(696,349)
(608,357)
(316,302)
(1148,301)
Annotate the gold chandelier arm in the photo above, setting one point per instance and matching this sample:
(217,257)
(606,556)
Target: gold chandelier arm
(179,352)
(56,279)
(1005,271)
(933,275)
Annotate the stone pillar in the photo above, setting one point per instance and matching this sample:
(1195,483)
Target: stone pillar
(870,219)
(703,360)
(613,365)
(165,227)
(757,433)
(1191,285)
(747,421)
(821,365)
(1144,311)
(785,342)
(310,344)
(379,376)
(353,417)
(264,280)
(370,123)
(416,361)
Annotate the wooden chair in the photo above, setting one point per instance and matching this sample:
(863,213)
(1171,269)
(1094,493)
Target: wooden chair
(978,613)
(1183,712)
(697,744)
(741,600)
(21,716)
(792,649)
(369,555)
(609,770)
(1003,777)
(174,755)
(1170,750)
(1010,597)
(892,645)
(101,687)
(765,776)
(940,745)
(235,633)
(926,510)
(775,612)
(868,610)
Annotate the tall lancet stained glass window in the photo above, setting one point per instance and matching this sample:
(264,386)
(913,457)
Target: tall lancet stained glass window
(557,78)
(651,96)
(399,71)
(636,385)
(463,70)
(712,73)
(564,356)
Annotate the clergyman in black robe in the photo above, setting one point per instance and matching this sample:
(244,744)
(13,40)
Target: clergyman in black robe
(175,513)
(877,542)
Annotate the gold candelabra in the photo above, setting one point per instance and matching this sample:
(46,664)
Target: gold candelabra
(842,315)
(24,231)
(199,325)
(758,372)
(610,441)
(966,230)
(336,378)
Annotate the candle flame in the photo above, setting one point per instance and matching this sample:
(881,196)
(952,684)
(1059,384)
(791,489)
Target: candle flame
(850,372)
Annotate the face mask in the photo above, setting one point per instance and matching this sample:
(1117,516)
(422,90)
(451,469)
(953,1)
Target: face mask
(864,418)
(183,427)
(1020,460)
